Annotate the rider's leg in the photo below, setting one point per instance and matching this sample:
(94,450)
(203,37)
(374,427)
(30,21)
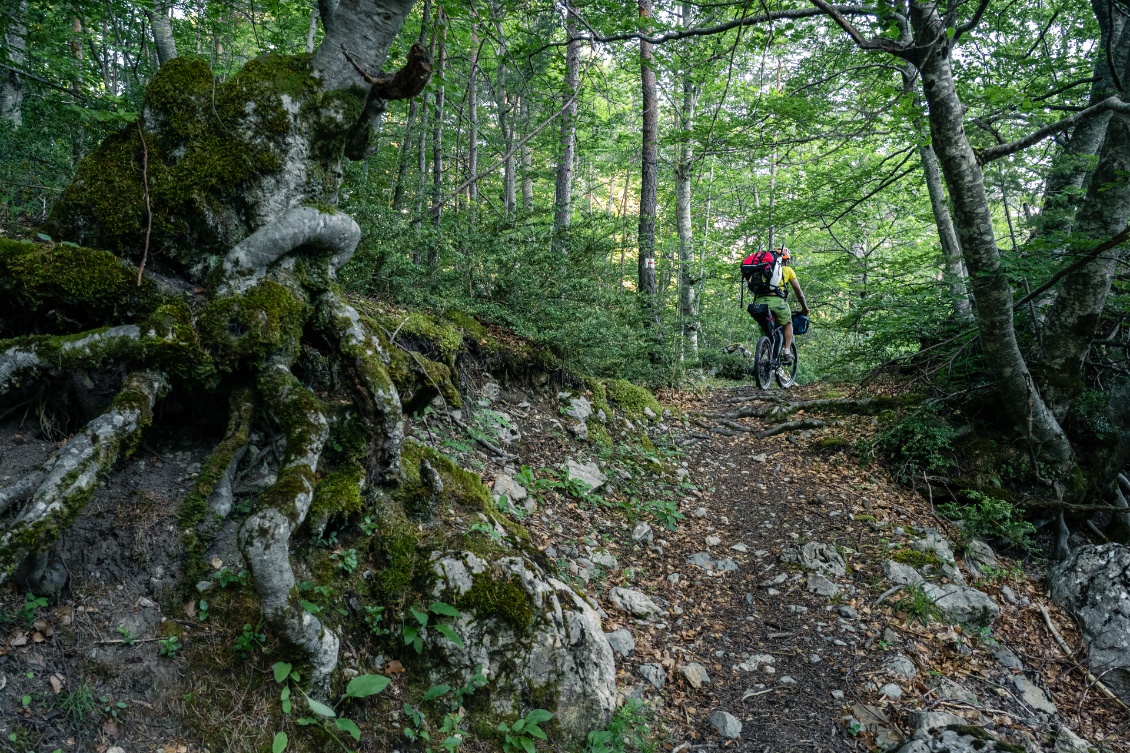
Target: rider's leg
(788,336)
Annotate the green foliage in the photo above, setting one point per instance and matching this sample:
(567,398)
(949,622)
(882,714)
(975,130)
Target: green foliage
(918,605)
(988,517)
(169,646)
(32,604)
(413,634)
(520,736)
(629,730)
(920,442)
(250,640)
(321,715)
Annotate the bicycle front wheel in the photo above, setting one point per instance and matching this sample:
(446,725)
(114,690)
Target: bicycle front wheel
(763,362)
(786,375)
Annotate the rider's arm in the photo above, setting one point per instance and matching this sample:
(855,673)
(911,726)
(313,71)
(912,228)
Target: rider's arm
(799,295)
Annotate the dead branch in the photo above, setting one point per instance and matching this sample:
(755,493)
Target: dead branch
(1069,654)
(716,429)
(406,83)
(805,423)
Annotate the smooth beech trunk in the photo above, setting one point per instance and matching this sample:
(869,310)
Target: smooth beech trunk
(563,191)
(684,169)
(646,283)
(954,267)
(992,294)
(15,45)
(162,27)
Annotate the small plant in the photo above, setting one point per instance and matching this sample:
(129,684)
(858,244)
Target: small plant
(629,729)
(250,640)
(414,634)
(374,617)
(77,705)
(346,560)
(486,529)
(918,605)
(111,708)
(519,737)
(666,511)
(128,638)
(226,577)
(202,610)
(369,526)
(989,517)
(361,686)
(525,477)
(169,646)
(31,604)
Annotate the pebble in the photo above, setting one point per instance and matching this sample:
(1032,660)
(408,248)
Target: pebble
(838,695)
(815,659)
(892,691)
(673,578)
(654,674)
(700,512)
(713,541)
(621,641)
(641,532)
(786,680)
(740,548)
(695,674)
(726,724)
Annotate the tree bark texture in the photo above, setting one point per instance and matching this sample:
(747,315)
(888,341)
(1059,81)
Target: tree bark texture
(437,134)
(473,115)
(646,283)
(526,155)
(15,45)
(954,267)
(365,28)
(162,27)
(992,294)
(563,191)
(688,305)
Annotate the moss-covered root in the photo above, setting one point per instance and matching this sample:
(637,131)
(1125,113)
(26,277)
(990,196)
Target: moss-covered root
(264,537)
(210,501)
(365,361)
(335,235)
(77,469)
(20,489)
(28,357)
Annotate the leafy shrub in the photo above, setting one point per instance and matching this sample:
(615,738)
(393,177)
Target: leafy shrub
(991,518)
(920,442)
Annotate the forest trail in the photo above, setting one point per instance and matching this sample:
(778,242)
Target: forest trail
(810,671)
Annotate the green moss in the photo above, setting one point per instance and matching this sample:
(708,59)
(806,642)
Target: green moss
(438,336)
(339,493)
(598,432)
(396,551)
(631,398)
(831,443)
(492,596)
(206,142)
(268,318)
(916,559)
(86,284)
(467,323)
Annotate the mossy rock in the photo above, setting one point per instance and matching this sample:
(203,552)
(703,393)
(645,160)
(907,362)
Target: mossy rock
(917,559)
(469,324)
(631,398)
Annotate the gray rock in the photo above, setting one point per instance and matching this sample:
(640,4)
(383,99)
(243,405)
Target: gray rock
(673,578)
(504,486)
(642,532)
(838,695)
(649,413)
(816,558)
(756,662)
(203,586)
(1033,695)
(725,565)
(786,680)
(892,691)
(902,574)
(713,541)
(955,737)
(1094,583)
(587,473)
(654,674)
(925,722)
(634,603)
(933,543)
(901,665)
(821,586)
(604,558)
(579,408)
(963,605)
(563,649)
(948,690)
(1067,741)
(739,547)
(491,391)
(695,675)
(621,641)
(978,557)
(726,724)
(700,512)
(847,612)
(1008,659)
(702,559)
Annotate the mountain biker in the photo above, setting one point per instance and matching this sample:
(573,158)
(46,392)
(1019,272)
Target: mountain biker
(776,301)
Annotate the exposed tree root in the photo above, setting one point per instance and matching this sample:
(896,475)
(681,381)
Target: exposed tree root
(78,468)
(30,357)
(716,429)
(778,410)
(806,423)
(264,538)
(365,360)
(20,489)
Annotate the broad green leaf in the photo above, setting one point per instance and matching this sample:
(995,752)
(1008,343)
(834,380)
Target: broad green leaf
(537,716)
(282,669)
(279,743)
(347,725)
(421,617)
(527,744)
(364,686)
(436,691)
(536,731)
(410,634)
(445,609)
(319,708)
(450,635)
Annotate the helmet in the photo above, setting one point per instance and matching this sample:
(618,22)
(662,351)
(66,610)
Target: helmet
(785,253)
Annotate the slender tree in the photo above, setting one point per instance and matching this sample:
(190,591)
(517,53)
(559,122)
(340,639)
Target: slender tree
(11,83)
(649,172)
(563,192)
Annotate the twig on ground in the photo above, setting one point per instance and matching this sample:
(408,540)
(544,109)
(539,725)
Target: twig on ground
(1069,653)
(806,423)
(888,594)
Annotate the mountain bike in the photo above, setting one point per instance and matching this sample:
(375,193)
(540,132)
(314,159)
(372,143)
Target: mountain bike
(767,354)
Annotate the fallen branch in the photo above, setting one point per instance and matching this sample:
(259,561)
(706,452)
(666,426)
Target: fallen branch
(716,429)
(735,425)
(806,423)
(888,594)
(1070,654)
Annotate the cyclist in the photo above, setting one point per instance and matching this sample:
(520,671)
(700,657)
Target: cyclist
(776,301)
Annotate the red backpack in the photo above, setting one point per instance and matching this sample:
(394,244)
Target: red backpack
(761,272)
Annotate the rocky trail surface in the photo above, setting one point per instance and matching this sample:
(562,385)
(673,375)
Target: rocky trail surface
(761,592)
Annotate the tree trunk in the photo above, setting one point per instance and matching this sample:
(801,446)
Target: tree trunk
(11,84)
(437,137)
(563,191)
(312,30)
(473,117)
(162,27)
(527,157)
(992,294)
(688,306)
(954,267)
(646,283)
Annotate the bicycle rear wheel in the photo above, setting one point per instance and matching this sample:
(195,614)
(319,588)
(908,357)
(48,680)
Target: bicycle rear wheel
(786,375)
(763,362)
